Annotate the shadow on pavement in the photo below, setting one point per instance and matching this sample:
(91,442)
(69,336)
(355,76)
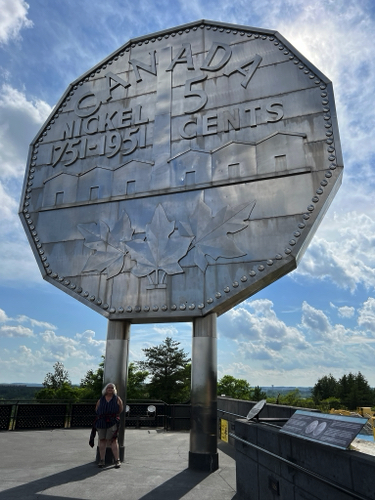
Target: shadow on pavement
(34,489)
(176,487)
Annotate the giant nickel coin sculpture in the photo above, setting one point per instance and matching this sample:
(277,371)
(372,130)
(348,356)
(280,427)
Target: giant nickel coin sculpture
(183,173)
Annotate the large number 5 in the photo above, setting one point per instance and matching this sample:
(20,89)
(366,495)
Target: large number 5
(196,93)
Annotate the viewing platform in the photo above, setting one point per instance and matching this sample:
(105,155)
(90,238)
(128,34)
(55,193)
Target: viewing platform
(60,465)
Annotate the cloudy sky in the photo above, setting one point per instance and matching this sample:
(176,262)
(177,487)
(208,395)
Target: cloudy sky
(320,319)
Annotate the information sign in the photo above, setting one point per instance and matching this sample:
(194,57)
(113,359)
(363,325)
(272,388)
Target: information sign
(333,430)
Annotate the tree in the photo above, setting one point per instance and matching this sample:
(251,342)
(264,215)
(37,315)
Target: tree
(233,387)
(57,385)
(354,391)
(92,383)
(166,364)
(326,387)
(57,379)
(257,394)
(136,386)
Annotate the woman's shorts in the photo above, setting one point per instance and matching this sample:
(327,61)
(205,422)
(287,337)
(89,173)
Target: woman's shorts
(107,433)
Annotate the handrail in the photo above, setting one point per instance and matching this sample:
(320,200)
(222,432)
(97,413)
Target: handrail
(300,468)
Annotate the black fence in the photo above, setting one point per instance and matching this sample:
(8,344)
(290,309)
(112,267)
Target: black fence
(27,416)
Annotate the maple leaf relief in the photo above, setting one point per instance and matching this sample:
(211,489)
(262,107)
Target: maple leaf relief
(108,245)
(161,249)
(211,233)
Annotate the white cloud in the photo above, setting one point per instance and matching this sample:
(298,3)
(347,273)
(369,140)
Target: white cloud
(34,322)
(3,316)
(366,318)
(13,19)
(20,120)
(346,311)
(15,331)
(345,255)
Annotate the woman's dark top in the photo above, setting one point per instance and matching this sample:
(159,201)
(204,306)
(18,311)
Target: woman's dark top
(108,412)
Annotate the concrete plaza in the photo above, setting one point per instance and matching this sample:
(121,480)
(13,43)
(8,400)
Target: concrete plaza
(60,465)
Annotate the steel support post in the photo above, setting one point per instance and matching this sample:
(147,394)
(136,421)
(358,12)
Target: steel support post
(116,368)
(203,435)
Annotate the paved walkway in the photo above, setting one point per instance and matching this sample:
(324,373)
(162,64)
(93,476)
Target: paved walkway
(59,465)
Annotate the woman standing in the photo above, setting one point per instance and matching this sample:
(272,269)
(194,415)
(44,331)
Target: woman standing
(108,409)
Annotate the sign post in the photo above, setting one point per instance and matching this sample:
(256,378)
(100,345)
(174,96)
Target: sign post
(181,175)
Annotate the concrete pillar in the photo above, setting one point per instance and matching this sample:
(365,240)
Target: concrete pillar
(203,435)
(116,367)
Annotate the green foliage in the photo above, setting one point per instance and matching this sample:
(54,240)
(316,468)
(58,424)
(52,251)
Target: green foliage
(350,391)
(136,386)
(233,387)
(326,387)
(10,391)
(257,394)
(66,391)
(58,378)
(92,384)
(167,366)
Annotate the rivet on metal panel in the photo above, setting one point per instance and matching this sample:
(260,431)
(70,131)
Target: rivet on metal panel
(210,300)
(292,242)
(310,208)
(86,294)
(79,290)
(235,284)
(164,307)
(297,234)
(92,298)
(261,268)
(217,295)
(244,279)
(227,289)
(121,310)
(182,307)
(146,308)
(288,251)
(105,306)
(315,199)
(137,309)
(129,309)
(252,273)
(173,307)
(269,262)
(201,306)
(278,257)
(155,308)
(328,174)
(99,302)
(333,166)
(192,307)
(112,310)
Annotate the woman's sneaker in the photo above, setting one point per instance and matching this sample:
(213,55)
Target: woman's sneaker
(117,464)
(101,464)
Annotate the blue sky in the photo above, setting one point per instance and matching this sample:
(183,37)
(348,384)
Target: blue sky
(320,319)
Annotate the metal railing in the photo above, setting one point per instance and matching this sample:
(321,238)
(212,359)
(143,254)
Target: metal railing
(19,415)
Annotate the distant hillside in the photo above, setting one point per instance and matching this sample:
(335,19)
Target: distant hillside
(18,391)
(272,392)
